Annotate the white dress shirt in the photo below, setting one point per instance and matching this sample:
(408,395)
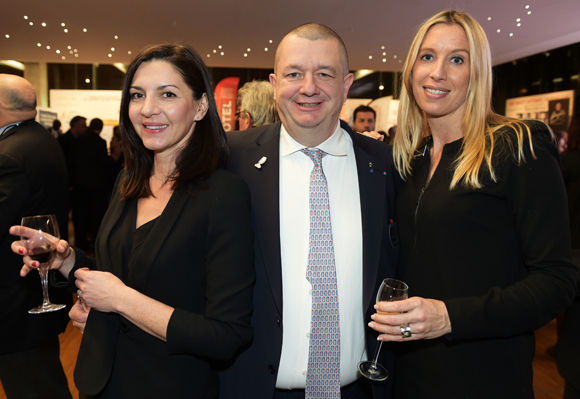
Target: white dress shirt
(339,167)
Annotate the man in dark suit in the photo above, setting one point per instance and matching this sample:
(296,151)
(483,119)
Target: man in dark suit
(33,181)
(311,83)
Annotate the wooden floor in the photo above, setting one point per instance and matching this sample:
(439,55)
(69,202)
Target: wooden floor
(547,382)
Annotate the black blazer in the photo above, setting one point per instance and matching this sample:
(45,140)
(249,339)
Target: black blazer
(33,181)
(255,369)
(198,259)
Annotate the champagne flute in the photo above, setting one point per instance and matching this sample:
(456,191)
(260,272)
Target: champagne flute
(40,240)
(390,290)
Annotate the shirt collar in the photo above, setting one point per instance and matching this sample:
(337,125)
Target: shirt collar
(4,129)
(335,145)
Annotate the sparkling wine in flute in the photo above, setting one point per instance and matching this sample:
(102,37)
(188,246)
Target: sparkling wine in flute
(40,238)
(389,291)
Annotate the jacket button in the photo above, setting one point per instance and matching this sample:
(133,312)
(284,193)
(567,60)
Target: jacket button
(272,369)
(278,321)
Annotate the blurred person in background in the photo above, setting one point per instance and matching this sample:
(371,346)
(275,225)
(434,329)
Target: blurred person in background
(256,105)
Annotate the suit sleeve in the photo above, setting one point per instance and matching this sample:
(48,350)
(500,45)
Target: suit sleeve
(14,192)
(225,326)
(537,201)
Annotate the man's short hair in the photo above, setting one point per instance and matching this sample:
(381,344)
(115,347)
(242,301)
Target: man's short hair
(363,108)
(313,31)
(257,99)
(96,125)
(76,120)
(17,102)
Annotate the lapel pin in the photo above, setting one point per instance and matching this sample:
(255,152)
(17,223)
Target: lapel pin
(261,162)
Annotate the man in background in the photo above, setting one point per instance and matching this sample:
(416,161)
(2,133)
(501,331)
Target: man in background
(33,181)
(364,119)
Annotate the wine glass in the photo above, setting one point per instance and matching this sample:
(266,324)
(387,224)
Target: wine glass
(390,290)
(40,239)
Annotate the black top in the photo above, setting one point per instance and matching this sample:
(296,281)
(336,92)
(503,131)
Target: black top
(571,171)
(498,256)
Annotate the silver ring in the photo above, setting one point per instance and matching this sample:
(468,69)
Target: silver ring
(79,292)
(406,331)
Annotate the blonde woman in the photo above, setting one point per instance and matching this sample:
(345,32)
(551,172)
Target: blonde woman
(483,226)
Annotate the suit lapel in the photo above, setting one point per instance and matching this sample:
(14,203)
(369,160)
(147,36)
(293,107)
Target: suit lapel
(372,187)
(111,218)
(264,184)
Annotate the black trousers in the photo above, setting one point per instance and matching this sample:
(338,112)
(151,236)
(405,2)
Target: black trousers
(34,373)
(360,389)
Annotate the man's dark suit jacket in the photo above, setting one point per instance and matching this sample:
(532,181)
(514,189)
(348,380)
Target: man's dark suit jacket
(254,372)
(33,181)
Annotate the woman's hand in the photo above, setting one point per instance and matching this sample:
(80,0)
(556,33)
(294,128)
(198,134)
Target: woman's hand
(63,261)
(78,314)
(427,318)
(100,290)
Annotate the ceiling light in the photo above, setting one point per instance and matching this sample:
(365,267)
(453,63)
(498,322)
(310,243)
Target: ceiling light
(381,87)
(26,17)
(75,50)
(116,37)
(129,52)
(85,30)
(38,44)
(518,25)
(527,7)
(63,25)
(44,24)
(269,41)
(69,47)
(208,56)
(266,49)
(499,30)
(489,18)
(58,51)
(220,47)
(245,54)
(518,20)
(110,55)
(76,55)
(7,36)
(31,23)
(511,34)
(48,47)
(112,48)
(87,80)
(215,51)
(249,49)
(370,57)
(384,60)
(394,56)
(66,31)
(63,57)
(382,47)
(529,12)
(222,53)
(71,52)
(384,53)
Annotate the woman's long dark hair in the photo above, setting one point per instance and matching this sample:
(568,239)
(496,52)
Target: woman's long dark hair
(206,148)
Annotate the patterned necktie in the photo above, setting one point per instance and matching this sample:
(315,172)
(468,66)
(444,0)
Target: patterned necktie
(323,378)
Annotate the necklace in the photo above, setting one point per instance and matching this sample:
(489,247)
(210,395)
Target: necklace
(162,181)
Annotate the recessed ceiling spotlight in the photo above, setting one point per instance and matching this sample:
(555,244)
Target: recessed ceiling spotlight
(26,17)
(215,51)
(400,61)
(384,53)
(75,50)
(489,18)
(529,12)
(381,87)
(110,55)
(527,7)
(58,51)
(63,25)
(382,47)
(129,52)
(208,56)
(248,49)
(48,47)
(112,48)
(511,34)
(7,36)
(116,37)
(518,25)
(394,56)
(63,57)
(269,41)
(87,80)
(44,24)
(499,30)
(69,47)
(31,23)
(220,47)
(384,60)
(266,49)
(222,53)
(71,52)
(38,44)
(245,54)
(85,30)
(370,57)
(66,31)
(518,20)
(76,55)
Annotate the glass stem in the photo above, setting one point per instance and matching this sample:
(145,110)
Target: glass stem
(376,358)
(43,270)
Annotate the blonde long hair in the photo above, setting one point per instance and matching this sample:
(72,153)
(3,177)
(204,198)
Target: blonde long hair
(483,129)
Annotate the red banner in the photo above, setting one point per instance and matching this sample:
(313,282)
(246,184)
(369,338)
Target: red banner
(226,93)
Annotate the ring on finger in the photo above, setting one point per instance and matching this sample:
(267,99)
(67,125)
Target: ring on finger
(406,331)
(79,292)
